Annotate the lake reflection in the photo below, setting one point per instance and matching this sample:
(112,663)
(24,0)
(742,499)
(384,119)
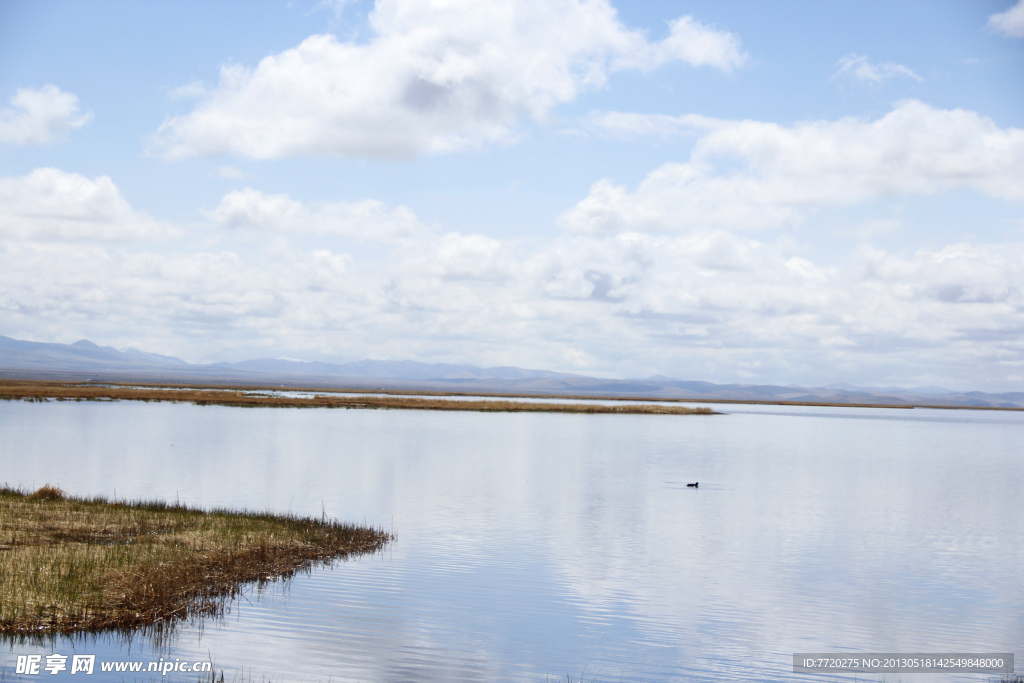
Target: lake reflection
(533,545)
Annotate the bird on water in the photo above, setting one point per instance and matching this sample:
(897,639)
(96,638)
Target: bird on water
(694,484)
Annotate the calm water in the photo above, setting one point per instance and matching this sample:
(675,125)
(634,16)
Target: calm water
(531,546)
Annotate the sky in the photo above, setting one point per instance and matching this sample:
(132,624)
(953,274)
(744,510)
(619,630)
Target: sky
(793,192)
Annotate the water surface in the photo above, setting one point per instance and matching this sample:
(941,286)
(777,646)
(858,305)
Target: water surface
(535,545)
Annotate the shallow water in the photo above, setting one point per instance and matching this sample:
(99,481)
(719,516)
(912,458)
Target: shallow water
(535,545)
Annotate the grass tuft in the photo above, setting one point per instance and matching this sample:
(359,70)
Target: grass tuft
(47,492)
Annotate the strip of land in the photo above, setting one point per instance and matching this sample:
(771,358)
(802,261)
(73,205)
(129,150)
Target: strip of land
(70,565)
(72,391)
(341,397)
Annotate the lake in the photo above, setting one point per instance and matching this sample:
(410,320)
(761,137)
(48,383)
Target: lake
(532,546)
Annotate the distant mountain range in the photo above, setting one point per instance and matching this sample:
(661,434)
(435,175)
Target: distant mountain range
(85,360)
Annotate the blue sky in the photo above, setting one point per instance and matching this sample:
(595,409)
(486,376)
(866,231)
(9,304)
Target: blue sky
(788,192)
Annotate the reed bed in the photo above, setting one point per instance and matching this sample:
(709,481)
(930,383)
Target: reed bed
(41,391)
(72,565)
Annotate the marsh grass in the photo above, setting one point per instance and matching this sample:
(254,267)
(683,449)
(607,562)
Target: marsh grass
(71,565)
(28,390)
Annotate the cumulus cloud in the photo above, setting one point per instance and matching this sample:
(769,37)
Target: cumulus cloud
(40,116)
(710,303)
(365,220)
(860,68)
(457,257)
(688,41)
(629,303)
(50,204)
(750,174)
(955,274)
(435,77)
(1010,22)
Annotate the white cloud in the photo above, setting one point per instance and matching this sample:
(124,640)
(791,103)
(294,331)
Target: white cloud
(626,304)
(688,41)
(49,204)
(455,256)
(40,116)
(364,220)
(989,275)
(1010,22)
(435,77)
(709,304)
(772,175)
(860,68)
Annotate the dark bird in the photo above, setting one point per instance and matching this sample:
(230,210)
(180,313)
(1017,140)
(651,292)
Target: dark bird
(694,484)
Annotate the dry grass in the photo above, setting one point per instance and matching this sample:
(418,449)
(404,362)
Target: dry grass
(71,564)
(39,391)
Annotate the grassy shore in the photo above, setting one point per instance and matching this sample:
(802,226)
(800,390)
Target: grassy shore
(66,391)
(84,565)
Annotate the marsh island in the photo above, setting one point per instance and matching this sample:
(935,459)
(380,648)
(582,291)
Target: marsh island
(72,564)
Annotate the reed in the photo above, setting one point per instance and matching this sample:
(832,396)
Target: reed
(72,564)
(41,391)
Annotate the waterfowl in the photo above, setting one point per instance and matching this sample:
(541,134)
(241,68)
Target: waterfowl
(694,484)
